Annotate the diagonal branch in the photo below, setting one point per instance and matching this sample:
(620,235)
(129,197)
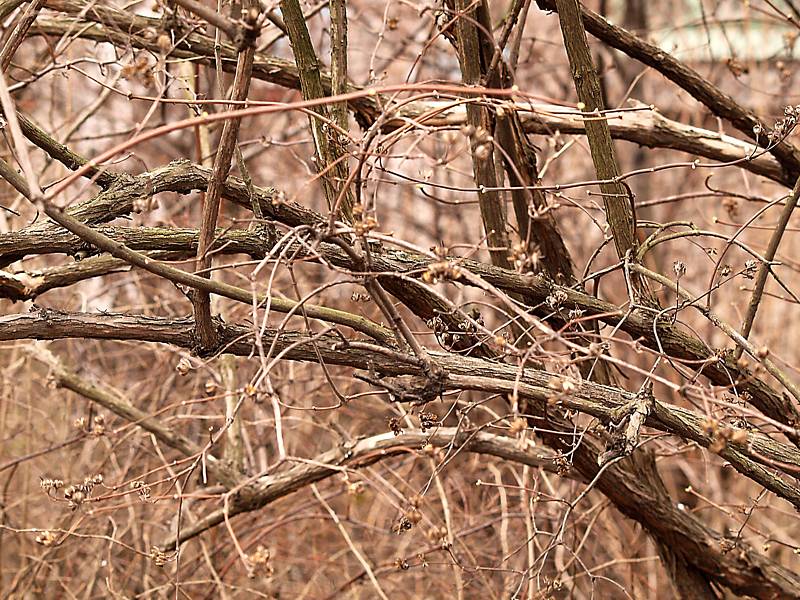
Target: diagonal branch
(117,404)
(744,571)
(119,250)
(766,267)
(717,101)
(222,164)
(18,35)
(756,456)
(741,343)
(364,453)
(492,208)
(395,267)
(617,197)
(331,163)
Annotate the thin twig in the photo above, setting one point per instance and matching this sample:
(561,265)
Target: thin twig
(117,404)
(353,548)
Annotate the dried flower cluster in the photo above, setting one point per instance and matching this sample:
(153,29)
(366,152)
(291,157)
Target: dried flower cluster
(260,565)
(78,493)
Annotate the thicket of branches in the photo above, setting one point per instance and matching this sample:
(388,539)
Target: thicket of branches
(458,299)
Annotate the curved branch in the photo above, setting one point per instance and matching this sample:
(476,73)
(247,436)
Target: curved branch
(363,453)
(183,177)
(651,130)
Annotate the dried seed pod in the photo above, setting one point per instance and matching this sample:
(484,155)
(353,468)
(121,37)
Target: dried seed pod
(184,366)
(47,538)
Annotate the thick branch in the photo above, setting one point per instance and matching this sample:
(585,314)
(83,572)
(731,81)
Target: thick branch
(744,571)
(330,154)
(182,177)
(463,372)
(30,285)
(363,453)
(481,147)
(616,199)
(118,250)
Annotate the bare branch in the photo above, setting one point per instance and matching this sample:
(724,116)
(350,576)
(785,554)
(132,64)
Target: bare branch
(116,403)
(219,173)
(720,103)
(765,268)
(330,155)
